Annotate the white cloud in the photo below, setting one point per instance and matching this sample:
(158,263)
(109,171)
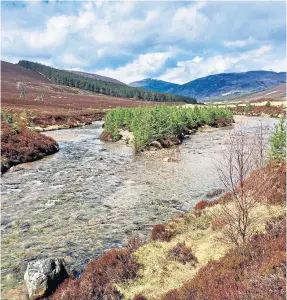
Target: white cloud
(198,67)
(201,37)
(70,60)
(197,59)
(239,43)
(188,22)
(139,69)
(57,29)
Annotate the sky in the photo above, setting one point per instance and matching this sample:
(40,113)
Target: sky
(132,40)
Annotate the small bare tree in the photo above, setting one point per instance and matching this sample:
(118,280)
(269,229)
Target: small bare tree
(243,154)
(21,87)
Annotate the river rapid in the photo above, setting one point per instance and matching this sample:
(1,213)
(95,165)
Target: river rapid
(91,196)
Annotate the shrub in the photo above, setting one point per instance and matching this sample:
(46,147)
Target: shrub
(99,278)
(268,104)
(255,270)
(172,295)
(214,193)
(20,145)
(7,117)
(133,244)
(226,197)
(248,107)
(278,142)
(154,123)
(161,233)
(272,185)
(202,204)
(180,252)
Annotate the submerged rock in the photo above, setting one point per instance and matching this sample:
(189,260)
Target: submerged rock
(43,276)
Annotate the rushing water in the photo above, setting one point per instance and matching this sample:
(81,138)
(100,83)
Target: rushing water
(91,195)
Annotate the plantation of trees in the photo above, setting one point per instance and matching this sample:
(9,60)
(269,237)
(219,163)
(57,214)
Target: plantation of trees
(97,86)
(152,123)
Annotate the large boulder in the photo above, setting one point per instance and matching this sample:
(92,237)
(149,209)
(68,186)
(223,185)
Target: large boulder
(43,276)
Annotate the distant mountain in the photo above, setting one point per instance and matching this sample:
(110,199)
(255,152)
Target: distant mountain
(222,86)
(97,77)
(155,85)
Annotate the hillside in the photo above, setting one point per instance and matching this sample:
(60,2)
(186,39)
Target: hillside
(56,98)
(221,86)
(97,77)
(154,84)
(62,77)
(14,73)
(277,93)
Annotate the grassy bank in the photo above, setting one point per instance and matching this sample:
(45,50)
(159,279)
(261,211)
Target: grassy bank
(186,257)
(161,123)
(199,234)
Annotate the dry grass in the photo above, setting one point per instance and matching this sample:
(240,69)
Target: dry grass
(160,274)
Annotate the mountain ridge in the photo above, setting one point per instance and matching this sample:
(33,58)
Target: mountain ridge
(96,76)
(150,84)
(222,86)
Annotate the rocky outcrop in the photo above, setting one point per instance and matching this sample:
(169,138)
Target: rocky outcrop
(43,276)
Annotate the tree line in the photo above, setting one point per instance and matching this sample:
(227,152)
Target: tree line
(102,87)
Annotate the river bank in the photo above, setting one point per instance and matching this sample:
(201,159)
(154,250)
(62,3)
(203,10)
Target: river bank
(21,140)
(20,145)
(113,196)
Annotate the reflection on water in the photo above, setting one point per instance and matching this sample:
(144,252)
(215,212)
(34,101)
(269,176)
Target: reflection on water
(91,195)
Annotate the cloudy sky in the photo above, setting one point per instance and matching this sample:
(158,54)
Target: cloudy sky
(129,41)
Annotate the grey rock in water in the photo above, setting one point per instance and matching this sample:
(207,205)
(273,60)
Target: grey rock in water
(43,276)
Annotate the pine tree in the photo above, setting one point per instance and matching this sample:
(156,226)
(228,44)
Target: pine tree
(278,142)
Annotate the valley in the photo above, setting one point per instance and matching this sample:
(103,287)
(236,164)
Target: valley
(126,177)
(115,195)
(143,150)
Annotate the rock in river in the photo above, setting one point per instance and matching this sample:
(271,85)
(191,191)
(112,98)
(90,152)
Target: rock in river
(43,276)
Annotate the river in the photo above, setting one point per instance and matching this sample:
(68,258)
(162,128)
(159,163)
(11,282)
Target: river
(91,196)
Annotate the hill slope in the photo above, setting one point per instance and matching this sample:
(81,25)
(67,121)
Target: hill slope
(155,85)
(15,73)
(220,86)
(276,93)
(57,99)
(66,78)
(97,77)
